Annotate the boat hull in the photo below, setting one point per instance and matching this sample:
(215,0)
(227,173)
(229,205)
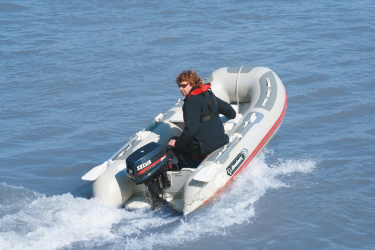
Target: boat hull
(258,96)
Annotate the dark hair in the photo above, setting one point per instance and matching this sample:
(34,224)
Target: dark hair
(190,77)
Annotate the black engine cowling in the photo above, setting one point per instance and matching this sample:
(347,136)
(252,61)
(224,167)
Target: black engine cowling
(149,165)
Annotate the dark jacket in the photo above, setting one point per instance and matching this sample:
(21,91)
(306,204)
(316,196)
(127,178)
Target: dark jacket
(203,137)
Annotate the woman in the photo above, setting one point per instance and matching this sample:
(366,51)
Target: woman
(204,130)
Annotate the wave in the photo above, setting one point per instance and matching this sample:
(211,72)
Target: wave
(34,221)
(11,7)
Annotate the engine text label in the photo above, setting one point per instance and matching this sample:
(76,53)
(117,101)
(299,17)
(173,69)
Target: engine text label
(142,166)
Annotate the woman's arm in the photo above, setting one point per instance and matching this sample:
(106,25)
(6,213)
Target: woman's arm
(225,109)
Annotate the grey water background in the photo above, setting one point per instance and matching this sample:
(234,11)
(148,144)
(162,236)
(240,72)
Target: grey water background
(77,79)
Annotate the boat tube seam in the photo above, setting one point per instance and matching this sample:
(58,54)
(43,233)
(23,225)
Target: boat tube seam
(261,144)
(265,139)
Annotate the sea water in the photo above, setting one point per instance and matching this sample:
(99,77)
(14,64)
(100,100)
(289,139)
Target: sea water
(77,79)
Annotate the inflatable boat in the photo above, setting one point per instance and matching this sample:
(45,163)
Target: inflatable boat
(140,172)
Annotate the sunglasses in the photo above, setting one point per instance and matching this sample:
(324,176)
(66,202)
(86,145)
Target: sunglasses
(182,85)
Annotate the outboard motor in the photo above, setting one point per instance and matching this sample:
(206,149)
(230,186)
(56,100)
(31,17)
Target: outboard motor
(149,165)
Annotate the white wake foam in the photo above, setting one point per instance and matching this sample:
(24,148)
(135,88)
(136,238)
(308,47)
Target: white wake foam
(64,221)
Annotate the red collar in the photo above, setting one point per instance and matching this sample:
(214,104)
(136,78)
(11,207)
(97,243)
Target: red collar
(197,91)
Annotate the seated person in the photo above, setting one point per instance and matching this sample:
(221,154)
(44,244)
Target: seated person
(204,130)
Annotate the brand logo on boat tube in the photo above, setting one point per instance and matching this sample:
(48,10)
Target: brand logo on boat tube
(236,163)
(143,165)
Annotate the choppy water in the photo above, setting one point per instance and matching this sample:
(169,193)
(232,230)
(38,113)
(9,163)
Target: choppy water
(77,79)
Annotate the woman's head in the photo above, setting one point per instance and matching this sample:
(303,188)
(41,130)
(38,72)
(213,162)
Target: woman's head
(190,77)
